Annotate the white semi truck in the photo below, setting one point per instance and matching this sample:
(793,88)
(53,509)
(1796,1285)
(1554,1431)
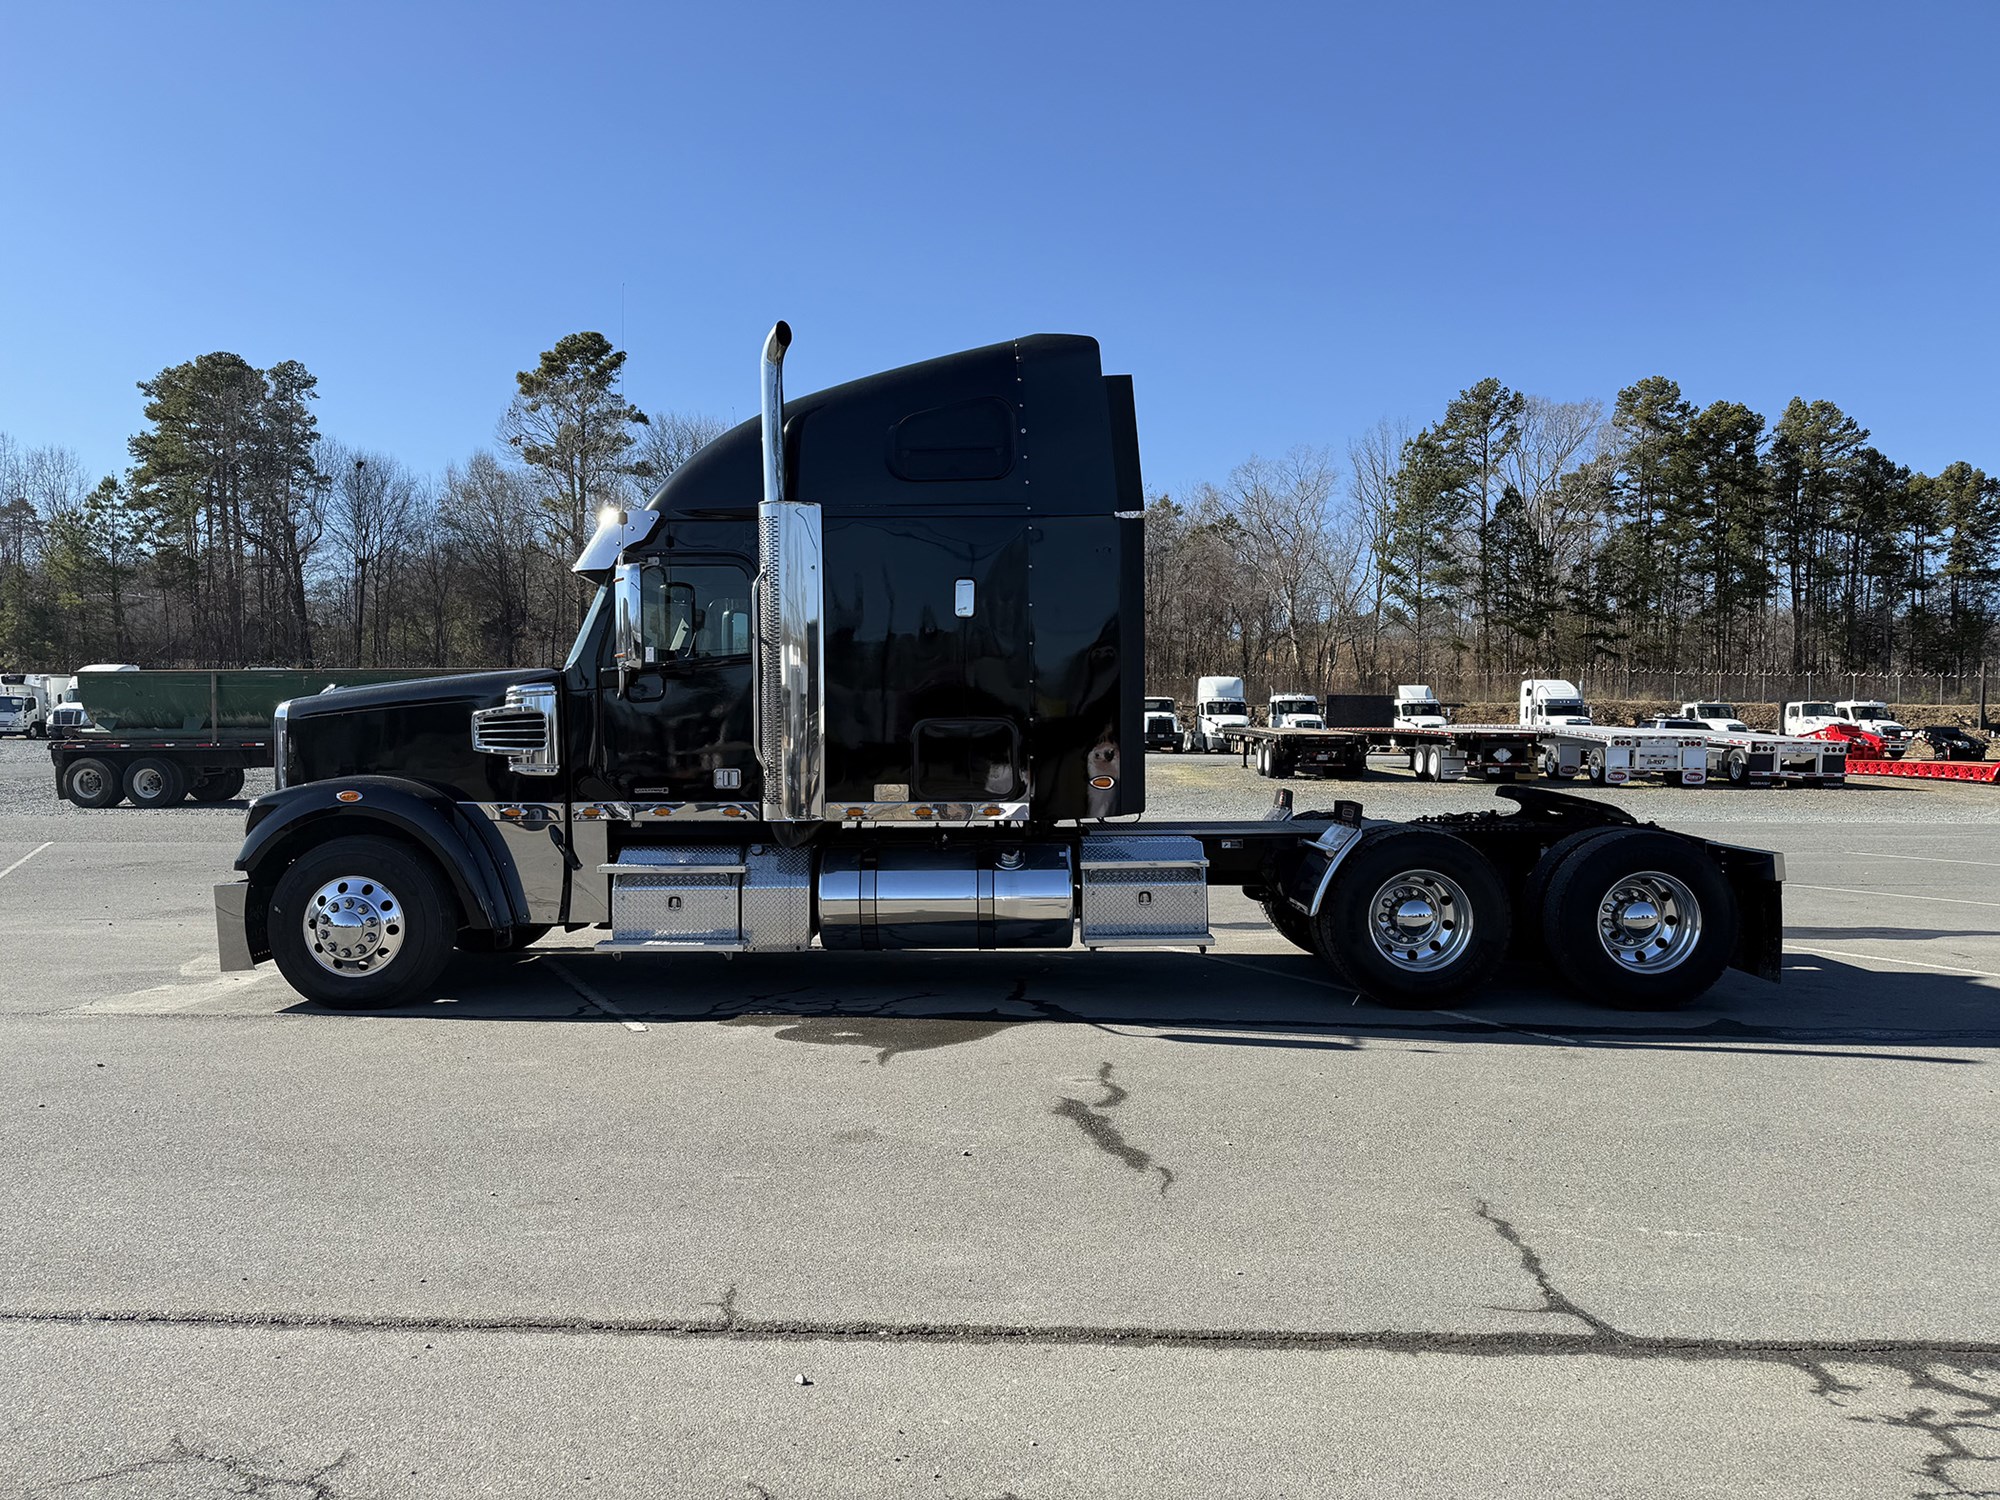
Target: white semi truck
(1219,706)
(1295,711)
(1162,727)
(1417,707)
(1721,717)
(1872,714)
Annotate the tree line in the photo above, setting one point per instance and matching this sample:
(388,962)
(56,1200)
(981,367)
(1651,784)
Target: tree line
(241,535)
(1522,535)
(1515,533)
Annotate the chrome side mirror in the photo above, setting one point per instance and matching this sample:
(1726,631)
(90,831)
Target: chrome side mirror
(628,620)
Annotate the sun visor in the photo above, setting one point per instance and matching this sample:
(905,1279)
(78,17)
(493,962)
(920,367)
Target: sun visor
(616,530)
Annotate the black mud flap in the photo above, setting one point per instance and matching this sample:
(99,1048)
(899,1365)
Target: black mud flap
(1758,879)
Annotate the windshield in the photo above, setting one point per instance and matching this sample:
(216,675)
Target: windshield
(1865,711)
(12,705)
(1159,705)
(578,656)
(1225,706)
(1816,710)
(1295,705)
(1563,706)
(1714,711)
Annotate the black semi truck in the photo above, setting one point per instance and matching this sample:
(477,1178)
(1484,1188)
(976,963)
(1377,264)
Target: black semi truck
(867,674)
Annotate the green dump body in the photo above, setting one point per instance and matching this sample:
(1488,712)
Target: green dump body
(208,702)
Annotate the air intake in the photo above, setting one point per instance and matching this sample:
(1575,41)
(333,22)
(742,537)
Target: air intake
(523,729)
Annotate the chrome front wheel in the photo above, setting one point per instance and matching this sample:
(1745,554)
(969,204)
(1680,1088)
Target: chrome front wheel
(354,925)
(362,921)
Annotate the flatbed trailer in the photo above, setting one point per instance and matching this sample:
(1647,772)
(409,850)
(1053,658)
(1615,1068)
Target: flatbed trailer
(1987,771)
(1612,756)
(1494,752)
(99,768)
(1763,759)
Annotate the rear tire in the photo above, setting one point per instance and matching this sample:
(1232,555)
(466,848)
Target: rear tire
(1417,918)
(90,782)
(1639,920)
(1594,763)
(1736,766)
(220,787)
(382,918)
(1292,924)
(153,782)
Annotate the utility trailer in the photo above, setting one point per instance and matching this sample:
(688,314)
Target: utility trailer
(154,738)
(894,703)
(1493,752)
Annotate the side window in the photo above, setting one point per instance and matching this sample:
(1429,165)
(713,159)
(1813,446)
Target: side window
(696,611)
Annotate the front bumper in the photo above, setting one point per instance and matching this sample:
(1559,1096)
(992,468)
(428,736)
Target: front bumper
(232,926)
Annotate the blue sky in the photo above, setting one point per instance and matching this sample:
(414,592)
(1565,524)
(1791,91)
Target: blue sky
(1285,222)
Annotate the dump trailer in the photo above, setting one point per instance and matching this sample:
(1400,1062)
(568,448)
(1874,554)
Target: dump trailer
(867,674)
(154,738)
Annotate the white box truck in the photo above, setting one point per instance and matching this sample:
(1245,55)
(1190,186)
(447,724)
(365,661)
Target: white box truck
(1219,706)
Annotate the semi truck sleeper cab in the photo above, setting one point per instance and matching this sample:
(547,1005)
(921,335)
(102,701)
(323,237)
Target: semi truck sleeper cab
(867,673)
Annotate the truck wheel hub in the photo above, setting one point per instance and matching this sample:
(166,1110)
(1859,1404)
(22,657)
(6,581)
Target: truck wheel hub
(354,925)
(1649,921)
(1421,921)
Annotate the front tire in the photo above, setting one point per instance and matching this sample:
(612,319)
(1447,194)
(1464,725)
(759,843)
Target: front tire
(1639,920)
(1415,918)
(361,922)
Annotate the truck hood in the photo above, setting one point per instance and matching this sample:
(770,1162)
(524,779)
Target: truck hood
(481,687)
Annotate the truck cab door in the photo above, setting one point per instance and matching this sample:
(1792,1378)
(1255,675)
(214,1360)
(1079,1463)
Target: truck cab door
(678,728)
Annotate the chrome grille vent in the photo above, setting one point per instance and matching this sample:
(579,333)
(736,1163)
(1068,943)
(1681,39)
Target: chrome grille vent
(523,729)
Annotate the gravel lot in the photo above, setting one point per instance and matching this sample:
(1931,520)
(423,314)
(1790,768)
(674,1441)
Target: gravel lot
(1041,1224)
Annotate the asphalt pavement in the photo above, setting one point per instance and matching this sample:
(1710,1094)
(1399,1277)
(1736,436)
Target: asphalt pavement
(1039,1224)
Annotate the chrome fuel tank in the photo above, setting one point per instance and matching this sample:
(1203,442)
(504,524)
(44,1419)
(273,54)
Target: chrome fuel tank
(1019,897)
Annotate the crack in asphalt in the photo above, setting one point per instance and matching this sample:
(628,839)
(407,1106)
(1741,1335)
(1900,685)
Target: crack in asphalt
(1104,1135)
(726,1306)
(1554,1299)
(1944,1431)
(248,1474)
(1888,1353)
(1917,1366)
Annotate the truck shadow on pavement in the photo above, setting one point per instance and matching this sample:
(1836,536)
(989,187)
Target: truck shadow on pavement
(911,1002)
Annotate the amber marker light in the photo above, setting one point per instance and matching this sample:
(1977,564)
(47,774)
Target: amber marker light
(347,796)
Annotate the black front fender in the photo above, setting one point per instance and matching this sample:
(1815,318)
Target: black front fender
(284,824)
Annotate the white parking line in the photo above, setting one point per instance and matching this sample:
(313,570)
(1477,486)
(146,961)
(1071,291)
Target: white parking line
(1923,859)
(25,858)
(1848,890)
(1891,960)
(593,997)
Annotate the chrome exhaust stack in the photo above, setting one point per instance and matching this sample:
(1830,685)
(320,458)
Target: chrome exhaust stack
(791,674)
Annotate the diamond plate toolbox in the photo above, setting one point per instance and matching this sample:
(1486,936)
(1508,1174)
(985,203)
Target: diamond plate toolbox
(1144,890)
